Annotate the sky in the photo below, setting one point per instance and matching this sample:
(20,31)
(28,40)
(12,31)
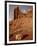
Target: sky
(23,9)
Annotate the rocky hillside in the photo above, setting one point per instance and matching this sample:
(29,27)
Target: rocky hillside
(21,27)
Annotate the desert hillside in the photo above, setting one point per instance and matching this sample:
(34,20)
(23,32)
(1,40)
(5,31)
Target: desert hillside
(21,27)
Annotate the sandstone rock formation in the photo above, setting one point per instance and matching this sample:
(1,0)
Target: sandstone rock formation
(21,27)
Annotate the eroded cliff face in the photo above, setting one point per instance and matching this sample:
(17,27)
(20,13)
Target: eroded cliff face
(21,27)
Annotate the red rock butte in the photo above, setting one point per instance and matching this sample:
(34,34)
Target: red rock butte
(21,27)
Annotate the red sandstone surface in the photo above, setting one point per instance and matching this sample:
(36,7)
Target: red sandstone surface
(21,27)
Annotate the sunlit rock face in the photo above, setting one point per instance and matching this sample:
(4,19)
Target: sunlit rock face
(21,27)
